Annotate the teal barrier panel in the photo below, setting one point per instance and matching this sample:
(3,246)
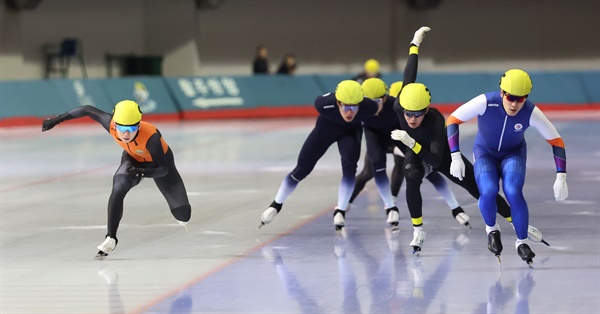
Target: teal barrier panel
(328,83)
(590,82)
(237,92)
(83,92)
(30,99)
(150,93)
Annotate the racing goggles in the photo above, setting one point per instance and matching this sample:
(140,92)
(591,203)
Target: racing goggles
(415,114)
(127,128)
(513,98)
(353,108)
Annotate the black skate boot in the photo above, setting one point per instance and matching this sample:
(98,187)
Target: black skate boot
(526,253)
(495,243)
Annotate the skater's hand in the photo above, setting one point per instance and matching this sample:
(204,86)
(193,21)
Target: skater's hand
(49,123)
(457,167)
(419,35)
(136,172)
(402,136)
(561,191)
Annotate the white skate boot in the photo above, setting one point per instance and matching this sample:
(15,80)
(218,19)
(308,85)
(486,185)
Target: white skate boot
(268,215)
(535,235)
(460,216)
(107,246)
(418,239)
(339,219)
(392,218)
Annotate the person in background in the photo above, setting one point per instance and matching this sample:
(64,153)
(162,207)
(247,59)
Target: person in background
(339,121)
(145,155)
(288,64)
(261,62)
(500,153)
(371,70)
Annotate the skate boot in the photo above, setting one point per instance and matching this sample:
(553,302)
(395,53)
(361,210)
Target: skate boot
(107,246)
(459,214)
(525,252)
(495,243)
(418,238)
(339,219)
(392,218)
(535,235)
(268,215)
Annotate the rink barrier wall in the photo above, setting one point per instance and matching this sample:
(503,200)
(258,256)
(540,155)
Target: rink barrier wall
(265,96)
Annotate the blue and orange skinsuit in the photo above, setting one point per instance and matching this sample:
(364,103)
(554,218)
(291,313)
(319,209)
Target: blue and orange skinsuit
(500,152)
(147,150)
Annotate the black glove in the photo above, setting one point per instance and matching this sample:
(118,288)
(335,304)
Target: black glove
(136,172)
(49,123)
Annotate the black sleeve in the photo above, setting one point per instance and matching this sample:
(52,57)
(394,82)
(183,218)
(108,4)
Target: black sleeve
(159,163)
(433,151)
(88,111)
(410,69)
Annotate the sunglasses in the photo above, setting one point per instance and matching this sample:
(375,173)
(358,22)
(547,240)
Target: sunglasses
(353,108)
(415,114)
(512,98)
(127,128)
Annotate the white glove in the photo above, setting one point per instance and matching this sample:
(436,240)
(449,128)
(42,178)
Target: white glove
(398,152)
(402,136)
(561,191)
(457,167)
(419,35)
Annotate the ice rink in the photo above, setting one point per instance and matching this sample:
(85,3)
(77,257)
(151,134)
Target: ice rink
(54,193)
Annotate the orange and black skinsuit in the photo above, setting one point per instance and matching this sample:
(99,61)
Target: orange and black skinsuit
(147,155)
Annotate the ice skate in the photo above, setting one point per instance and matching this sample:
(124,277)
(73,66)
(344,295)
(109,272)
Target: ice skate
(495,244)
(392,218)
(184,224)
(459,214)
(526,253)
(535,235)
(339,219)
(270,213)
(417,241)
(106,247)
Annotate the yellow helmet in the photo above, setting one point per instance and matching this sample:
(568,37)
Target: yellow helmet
(372,66)
(516,82)
(127,112)
(415,97)
(349,92)
(395,89)
(374,88)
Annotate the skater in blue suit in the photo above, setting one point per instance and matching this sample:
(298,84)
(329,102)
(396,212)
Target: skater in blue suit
(500,153)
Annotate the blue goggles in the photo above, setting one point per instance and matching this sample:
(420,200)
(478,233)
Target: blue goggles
(127,128)
(353,108)
(415,114)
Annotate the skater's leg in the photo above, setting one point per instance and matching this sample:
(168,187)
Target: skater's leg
(172,188)
(488,182)
(397,176)
(362,178)
(377,146)
(513,181)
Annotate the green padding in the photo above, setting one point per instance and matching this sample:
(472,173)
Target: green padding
(150,93)
(30,99)
(231,92)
